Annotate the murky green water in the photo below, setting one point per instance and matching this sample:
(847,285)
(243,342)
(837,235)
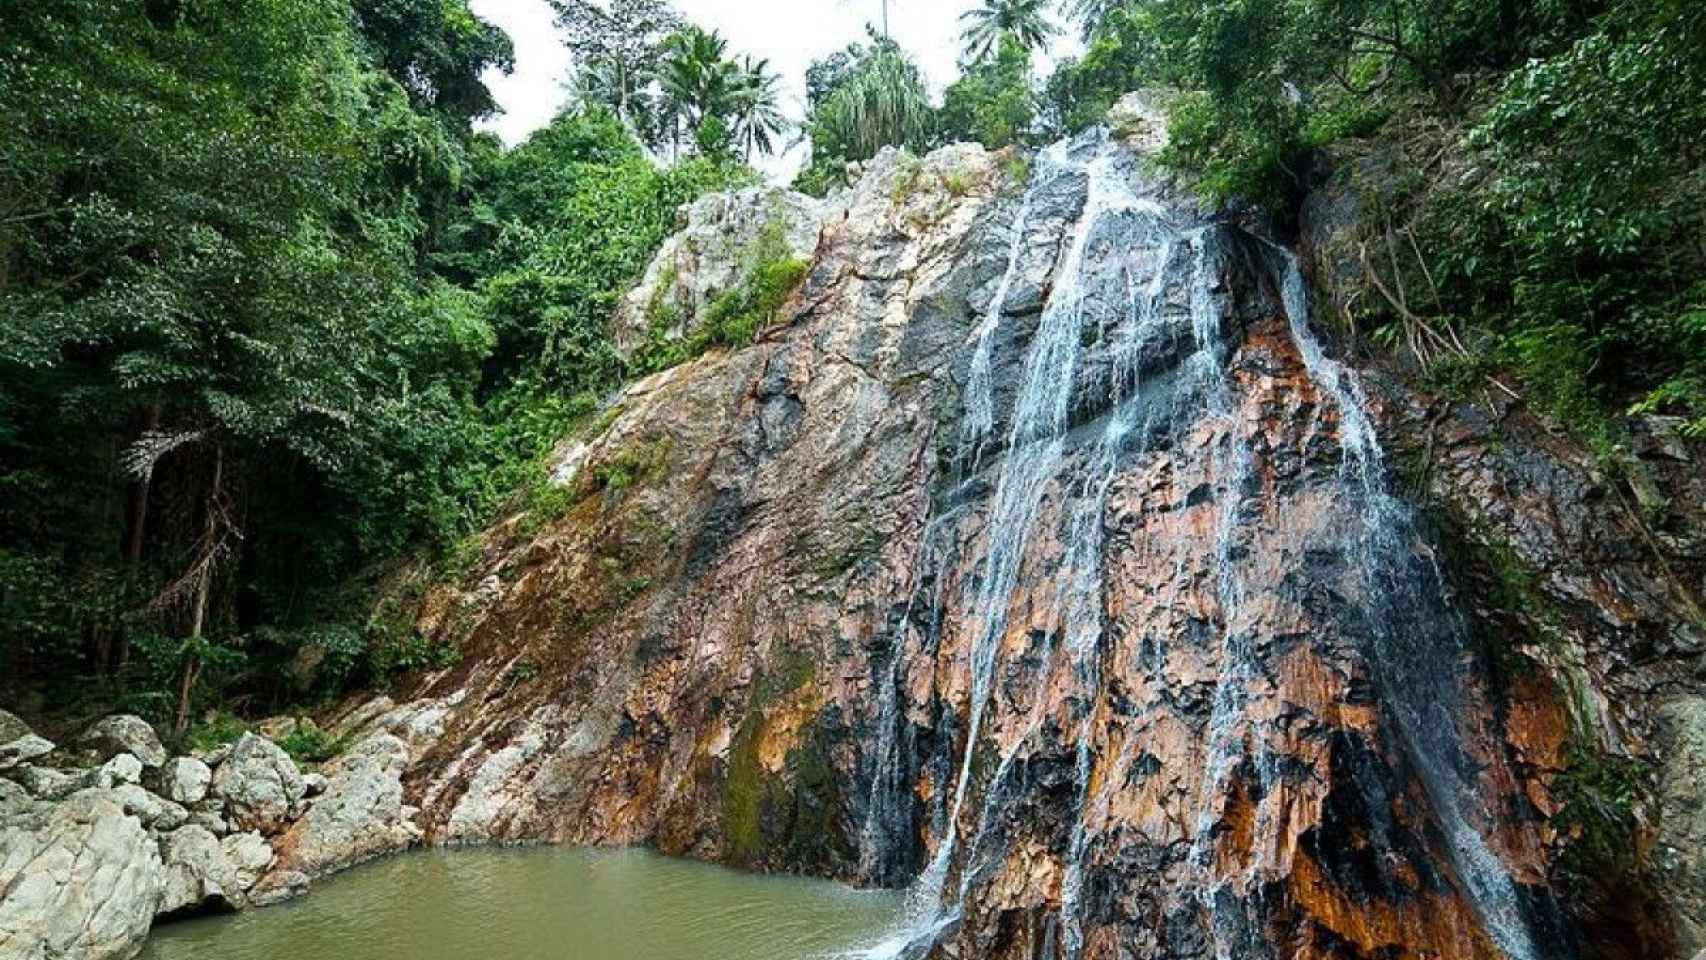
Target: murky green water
(542,904)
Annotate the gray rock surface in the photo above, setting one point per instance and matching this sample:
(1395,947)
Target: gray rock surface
(185,780)
(46,783)
(706,257)
(156,813)
(361,815)
(121,769)
(249,855)
(260,785)
(23,749)
(11,727)
(83,885)
(201,871)
(124,733)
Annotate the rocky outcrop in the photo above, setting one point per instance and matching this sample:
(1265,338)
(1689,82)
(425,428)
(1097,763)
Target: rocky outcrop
(83,883)
(1045,559)
(360,815)
(124,733)
(90,858)
(709,255)
(185,780)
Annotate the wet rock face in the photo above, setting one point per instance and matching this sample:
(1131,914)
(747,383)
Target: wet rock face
(1045,561)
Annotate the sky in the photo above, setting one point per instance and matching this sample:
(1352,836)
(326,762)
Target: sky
(791,33)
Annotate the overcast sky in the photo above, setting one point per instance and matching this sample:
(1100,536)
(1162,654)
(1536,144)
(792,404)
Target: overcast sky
(791,33)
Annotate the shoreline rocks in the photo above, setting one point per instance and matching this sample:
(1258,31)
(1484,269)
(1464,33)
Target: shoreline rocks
(91,858)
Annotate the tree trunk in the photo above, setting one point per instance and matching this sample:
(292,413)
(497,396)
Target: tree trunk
(136,526)
(204,583)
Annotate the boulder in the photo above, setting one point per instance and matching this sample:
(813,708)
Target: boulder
(11,728)
(46,783)
(121,769)
(124,733)
(202,872)
(83,884)
(185,780)
(260,785)
(156,813)
(360,816)
(211,817)
(249,855)
(23,749)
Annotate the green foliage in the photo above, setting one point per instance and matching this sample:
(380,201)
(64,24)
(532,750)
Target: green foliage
(997,23)
(307,743)
(992,102)
(277,318)
(216,730)
(1568,254)
(769,275)
(864,99)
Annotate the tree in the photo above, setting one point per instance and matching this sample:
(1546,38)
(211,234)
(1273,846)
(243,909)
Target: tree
(758,111)
(1025,20)
(1092,15)
(700,84)
(992,102)
(618,49)
(439,51)
(195,207)
(877,100)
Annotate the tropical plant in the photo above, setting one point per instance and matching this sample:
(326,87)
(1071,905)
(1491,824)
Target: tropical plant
(1092,14)
(1025,20)
(992,102)
(877,100)
(618,49)
(701,86)
(758,111)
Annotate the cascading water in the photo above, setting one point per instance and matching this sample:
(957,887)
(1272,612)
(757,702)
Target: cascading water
(1418,639)
(1137,290)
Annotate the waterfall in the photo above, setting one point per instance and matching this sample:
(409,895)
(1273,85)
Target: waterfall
(1413,657)
(1138,290)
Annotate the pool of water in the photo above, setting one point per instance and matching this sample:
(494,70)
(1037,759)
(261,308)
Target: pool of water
(543,904)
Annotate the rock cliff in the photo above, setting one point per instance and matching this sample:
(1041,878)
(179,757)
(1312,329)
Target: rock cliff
(1044,559)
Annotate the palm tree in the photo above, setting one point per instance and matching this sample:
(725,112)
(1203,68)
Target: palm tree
(697,80)
(1091,14)
(1025,20)
(758,116)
